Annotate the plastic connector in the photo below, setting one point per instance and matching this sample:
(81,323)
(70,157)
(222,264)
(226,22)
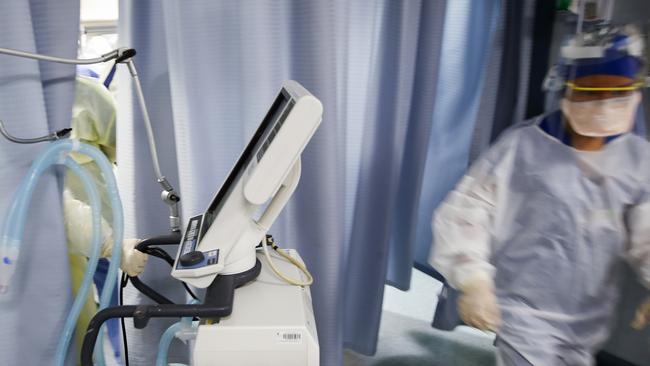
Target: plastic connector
(171,199)
(63,133)
(125,54)
(8,258)
(188,332)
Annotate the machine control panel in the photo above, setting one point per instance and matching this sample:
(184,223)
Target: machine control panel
(191,258)
(188,256)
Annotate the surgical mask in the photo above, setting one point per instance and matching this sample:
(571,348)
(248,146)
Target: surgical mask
(600,118)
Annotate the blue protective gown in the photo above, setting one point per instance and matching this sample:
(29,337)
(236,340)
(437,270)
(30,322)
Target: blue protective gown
(551,225)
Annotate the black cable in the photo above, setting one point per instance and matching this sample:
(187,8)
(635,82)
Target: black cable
(219,302)
(142,313)
(124,280)
(189,291)
(147,246)
(155,295)
(170,239)
(159,253)
(149,292)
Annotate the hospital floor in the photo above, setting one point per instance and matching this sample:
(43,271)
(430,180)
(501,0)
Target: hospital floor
(406,337)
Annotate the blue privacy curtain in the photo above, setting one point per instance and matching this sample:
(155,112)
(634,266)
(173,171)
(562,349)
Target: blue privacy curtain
(488,53)
(35,98)
(396,130)
(210,69)
(485,73)
(468,38)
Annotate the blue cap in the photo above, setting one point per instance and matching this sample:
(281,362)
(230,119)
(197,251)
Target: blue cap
(616,61)
(613,64)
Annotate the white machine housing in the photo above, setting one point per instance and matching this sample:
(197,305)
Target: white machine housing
(272,324)
(225,236)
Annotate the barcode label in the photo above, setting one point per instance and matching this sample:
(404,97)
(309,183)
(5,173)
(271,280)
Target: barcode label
(289,337)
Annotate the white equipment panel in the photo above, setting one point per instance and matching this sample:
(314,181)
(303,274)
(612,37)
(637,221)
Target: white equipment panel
(272,324)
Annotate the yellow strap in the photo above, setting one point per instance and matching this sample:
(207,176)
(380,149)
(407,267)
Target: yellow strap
(620,88)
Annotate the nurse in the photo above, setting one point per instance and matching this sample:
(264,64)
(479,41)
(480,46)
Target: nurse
(535,234)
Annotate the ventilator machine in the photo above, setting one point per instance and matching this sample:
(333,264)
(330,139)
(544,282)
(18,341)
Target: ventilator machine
(257,308)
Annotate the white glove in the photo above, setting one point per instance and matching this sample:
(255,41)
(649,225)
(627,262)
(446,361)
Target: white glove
(642,317)
(77,217)
(133,260)
(477,304)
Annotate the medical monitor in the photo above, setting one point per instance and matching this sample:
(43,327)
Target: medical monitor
(223,238)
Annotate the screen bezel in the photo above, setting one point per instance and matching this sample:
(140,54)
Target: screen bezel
(248,155)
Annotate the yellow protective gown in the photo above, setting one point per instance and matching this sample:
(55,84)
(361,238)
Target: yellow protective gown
(93,122)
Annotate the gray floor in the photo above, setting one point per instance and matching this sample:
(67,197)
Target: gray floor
(406,337)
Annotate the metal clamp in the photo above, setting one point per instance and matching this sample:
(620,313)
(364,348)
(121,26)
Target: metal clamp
(171,199)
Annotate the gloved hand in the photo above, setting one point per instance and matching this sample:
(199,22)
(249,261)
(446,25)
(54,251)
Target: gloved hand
(78,228)
(642,317)
(77,218)
(477,304)
(133,261)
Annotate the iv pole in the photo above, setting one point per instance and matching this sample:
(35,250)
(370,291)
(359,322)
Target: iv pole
(121,55)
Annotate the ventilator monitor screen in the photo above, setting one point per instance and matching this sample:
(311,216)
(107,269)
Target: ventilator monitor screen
(263,136)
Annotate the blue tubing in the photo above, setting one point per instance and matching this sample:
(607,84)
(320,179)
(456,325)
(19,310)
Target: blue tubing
(165,342)
(118,237)
(80,299)
(14,225)
(15,222)
(168,336)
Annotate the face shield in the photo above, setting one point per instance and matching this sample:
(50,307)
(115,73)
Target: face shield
(603,72)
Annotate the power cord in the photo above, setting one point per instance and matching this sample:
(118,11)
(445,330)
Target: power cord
(159,253)
(123,282)
(269,241)
(155,252)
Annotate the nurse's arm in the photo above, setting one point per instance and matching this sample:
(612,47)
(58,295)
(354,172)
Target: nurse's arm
(638,254)
(462,228)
